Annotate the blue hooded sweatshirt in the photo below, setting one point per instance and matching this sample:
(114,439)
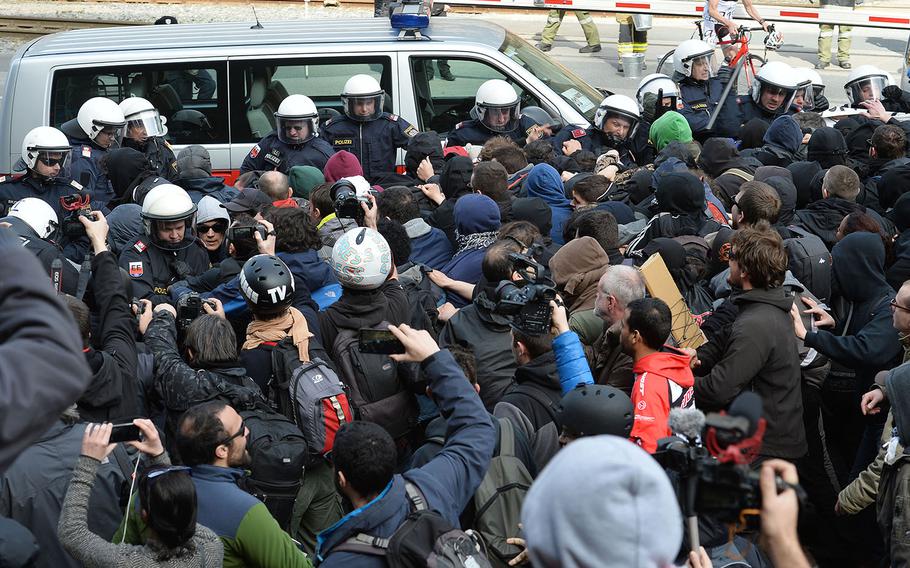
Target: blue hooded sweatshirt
(544,182)
(476,220)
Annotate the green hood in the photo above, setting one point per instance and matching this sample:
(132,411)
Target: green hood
(670,127)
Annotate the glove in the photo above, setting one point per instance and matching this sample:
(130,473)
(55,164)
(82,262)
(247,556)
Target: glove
(649,103)
(892,93)
(724,74)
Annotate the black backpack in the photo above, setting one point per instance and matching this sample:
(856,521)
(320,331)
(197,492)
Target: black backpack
(310,394)
(810,262)
(377,390)
(278,454)
(425,539)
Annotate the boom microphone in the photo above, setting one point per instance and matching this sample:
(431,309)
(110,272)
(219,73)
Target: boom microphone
(687,422)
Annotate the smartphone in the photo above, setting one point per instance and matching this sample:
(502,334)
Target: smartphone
(379,341)
(125,433)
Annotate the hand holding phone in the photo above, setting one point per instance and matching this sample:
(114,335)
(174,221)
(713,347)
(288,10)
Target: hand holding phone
(125,433)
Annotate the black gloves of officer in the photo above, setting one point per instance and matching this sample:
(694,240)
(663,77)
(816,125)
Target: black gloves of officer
(725,73)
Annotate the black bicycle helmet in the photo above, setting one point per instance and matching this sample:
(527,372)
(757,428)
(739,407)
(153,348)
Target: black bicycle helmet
(591,410)
(267,285)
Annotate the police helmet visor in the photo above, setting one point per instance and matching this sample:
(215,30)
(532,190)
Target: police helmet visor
(499,118)
(142,125)
(805,96)
(363,107)
(702,66)
(866,89)
(295,130)
(52,163)
(107,135)
(776,98)
(620,126)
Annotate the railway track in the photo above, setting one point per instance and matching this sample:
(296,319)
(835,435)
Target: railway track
(38,26)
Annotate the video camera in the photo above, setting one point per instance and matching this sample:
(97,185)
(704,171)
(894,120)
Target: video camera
(189,307)
(77,205)
(526,303)
(346,200)
(237,233)
(715,478)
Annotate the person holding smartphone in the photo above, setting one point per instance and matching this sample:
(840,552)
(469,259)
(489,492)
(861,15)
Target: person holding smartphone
(167,503)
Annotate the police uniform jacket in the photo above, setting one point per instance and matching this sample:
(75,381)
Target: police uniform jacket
(749,109)
(634,151)
(47,252)
(475,133)
(85,165)
(273,154)
(373,142)
(152,269)
(14,188)
(159,153)
(697,101)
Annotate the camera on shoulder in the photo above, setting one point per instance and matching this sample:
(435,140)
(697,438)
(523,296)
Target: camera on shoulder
(527,301)
(346,200)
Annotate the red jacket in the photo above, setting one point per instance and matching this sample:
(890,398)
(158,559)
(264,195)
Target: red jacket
(663,380)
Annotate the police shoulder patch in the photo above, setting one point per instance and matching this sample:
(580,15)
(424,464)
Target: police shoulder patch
(3,179)
(410,131)
(579,133)
(343,142)
(136,269)
(76,184)
(140,246)
(393,117)
(460,124)
(679,105)
(86,151)
(255,151)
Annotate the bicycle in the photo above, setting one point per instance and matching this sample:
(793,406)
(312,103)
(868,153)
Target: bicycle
(751,62)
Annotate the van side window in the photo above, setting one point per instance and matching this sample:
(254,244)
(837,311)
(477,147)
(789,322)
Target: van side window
(444,90)
(190,96)
(258,87)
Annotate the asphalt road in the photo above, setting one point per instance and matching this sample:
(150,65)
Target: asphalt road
(884,48)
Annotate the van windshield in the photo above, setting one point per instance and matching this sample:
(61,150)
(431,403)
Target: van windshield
(567,84)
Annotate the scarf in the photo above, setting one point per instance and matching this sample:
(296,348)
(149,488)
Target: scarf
(475,241)
(291,323)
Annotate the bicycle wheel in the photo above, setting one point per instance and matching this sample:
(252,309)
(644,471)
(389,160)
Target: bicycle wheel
(750,68)
(668,57)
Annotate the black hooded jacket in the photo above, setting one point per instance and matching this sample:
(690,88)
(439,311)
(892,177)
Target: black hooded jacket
(488,335)
(869,343)
(824,216)
(365,308)
(127,168)
(454,180)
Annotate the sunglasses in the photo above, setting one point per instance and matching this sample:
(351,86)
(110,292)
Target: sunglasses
(219,226)
(241,432)
(51,162)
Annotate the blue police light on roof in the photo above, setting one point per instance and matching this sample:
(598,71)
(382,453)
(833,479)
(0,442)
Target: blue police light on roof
(411,15)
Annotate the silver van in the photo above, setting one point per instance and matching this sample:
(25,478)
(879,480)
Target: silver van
(218,84)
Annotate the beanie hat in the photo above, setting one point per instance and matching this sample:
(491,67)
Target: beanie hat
(669,127)
(303,179)
(342,164)
(596,486)
(476,213)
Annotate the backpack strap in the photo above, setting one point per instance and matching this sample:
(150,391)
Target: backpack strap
(799,231)
(85,272)
(506,438)
(415,497)
(362,543)
(535,394)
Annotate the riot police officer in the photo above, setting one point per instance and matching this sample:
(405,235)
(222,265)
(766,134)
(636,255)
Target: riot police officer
(98,127)
(36,225)
(700,91)
(649,88)
(496,112)
(46,156)
(365,130)
(295,141)
(617,126)
(773,91)
(811,93)
(867,83)
(167,251)
(145,132)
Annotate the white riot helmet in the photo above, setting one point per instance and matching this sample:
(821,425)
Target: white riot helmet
(37,214)
(497,106)
(806,88)
(168,203)
(657,83)
(296,120)
(358,93)
(361,259)
(617,106)
(142,119)
(99,113)
(778,77)
(47,145)
(865,83)
(690,53)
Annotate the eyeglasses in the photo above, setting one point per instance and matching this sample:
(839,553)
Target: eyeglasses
(241,432)
(51,162)
(219,226)
(896,306)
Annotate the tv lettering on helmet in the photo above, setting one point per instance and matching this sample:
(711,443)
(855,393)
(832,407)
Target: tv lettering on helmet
(277,294)
(267,285)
